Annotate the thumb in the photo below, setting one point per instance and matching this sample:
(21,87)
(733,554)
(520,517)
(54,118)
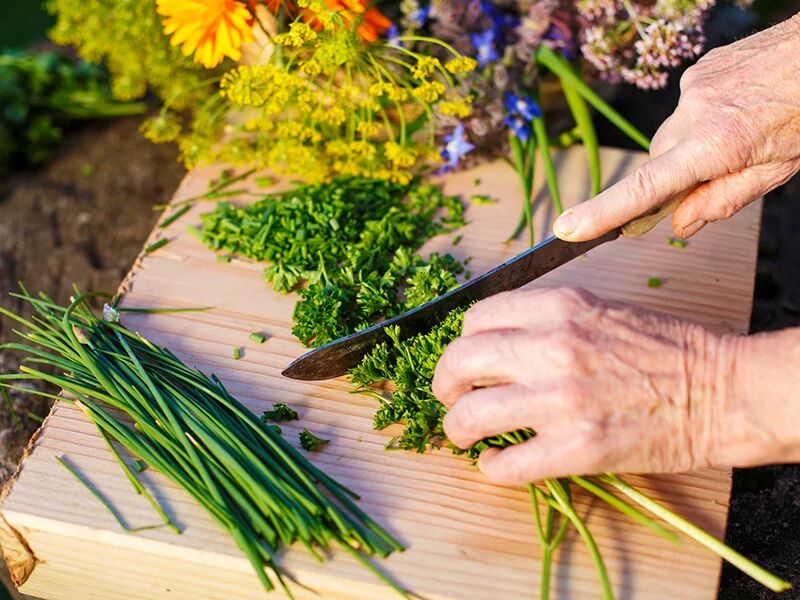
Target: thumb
(719,199)
(651,185)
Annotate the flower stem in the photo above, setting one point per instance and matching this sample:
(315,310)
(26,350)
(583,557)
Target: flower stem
(540,131)
(764,577)
(559,65)
(525,172)
(583,119)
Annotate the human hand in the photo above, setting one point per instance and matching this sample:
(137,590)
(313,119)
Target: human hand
(607,387)
(734,137)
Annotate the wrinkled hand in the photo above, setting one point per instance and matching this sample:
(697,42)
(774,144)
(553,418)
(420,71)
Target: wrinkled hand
(607,387)
(734,137)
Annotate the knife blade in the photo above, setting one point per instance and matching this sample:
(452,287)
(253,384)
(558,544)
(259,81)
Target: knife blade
(337,357)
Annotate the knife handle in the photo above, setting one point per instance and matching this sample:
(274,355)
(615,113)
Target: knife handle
(638,227)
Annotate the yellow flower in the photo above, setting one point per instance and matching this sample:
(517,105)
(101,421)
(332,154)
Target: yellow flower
(430,91)
(425,67)
(299,33)
(209,29)
(399,156)
(457,107)
(461,64)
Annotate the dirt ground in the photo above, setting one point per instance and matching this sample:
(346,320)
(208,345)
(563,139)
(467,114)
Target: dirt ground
(83,219)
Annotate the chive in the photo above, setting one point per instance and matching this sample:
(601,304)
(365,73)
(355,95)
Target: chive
(156,311)
(221,258)
(258,338)
(177,214)
(156,245)
(34,417)
(457,239)
(264,181)
(10,407)
(139,466)
(482,199)
(677,243)
(654,282)
(237,353)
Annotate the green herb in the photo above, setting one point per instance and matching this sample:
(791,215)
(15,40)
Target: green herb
(139,466)
(677,243)
(482,199)
(280,412)
(156,245)
(476,181)
(34,417)
(258,338)
(654,282)
(347,246)
(457,239)
(310,442)
(221,258)
(185,425)
(237,353)
(176,214)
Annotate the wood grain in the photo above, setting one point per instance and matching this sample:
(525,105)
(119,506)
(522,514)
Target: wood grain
(467,539)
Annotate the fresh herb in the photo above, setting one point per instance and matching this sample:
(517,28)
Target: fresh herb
(258,338)
(280,412)
(310,442)
(457,239)
(677,243)
(176,214)
(222,258)
(477,181)
(185,425)
(264,181)
(42,94)
(138,465)
(482,199)
(156,245)
(348,248)
(237,353)
(654,282)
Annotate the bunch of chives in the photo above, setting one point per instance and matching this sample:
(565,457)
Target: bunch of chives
(187,426)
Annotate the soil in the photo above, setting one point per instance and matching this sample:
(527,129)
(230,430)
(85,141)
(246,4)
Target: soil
(84,217)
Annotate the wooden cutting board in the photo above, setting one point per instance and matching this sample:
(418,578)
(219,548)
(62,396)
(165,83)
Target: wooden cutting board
(467,539)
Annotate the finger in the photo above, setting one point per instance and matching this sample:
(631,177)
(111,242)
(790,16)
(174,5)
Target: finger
(650,186)
(541,308)
(487,412)
(723,197)
(475,361)
(556,452)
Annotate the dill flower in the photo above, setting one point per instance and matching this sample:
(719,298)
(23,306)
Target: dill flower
(164,127)
(209,29)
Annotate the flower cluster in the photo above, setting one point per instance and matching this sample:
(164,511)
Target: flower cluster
(639,41)
(319,88)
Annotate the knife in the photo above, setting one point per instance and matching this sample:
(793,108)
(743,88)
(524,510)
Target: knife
(337,357)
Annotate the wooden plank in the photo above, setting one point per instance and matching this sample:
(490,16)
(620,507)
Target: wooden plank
(467,539)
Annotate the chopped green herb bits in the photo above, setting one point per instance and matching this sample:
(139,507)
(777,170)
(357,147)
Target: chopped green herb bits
(237,353)
(655,282)
(311,443)
(177,214)
(482,199)
(156,245)
(258,338)
(139,466)
(223,258)
(280,412)
(677,243)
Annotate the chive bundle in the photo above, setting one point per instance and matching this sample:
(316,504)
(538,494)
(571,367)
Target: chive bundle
(187,426)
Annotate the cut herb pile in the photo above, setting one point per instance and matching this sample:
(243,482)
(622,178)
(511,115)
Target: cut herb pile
(188,427)
(350,243)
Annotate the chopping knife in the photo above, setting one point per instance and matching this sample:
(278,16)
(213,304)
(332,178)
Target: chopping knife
(337,357)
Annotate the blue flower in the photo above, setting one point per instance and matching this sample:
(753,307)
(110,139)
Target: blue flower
(484,44)
(393,35)
(523,106)
(456,147)
(519,126)
(419,16)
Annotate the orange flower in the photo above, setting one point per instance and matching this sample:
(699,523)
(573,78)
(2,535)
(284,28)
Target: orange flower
(209,29)
(372,23)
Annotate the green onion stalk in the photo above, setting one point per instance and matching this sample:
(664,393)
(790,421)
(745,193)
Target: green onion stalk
(580,98)
(186,425)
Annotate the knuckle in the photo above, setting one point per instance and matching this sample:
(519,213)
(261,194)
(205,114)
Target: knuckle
(642,185)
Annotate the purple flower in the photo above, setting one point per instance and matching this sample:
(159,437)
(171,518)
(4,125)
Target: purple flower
(456,147)
(522,106)
(486,49)
(519,126)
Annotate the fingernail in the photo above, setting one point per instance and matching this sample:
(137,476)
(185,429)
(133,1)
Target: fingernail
(565,224)
(693,228)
